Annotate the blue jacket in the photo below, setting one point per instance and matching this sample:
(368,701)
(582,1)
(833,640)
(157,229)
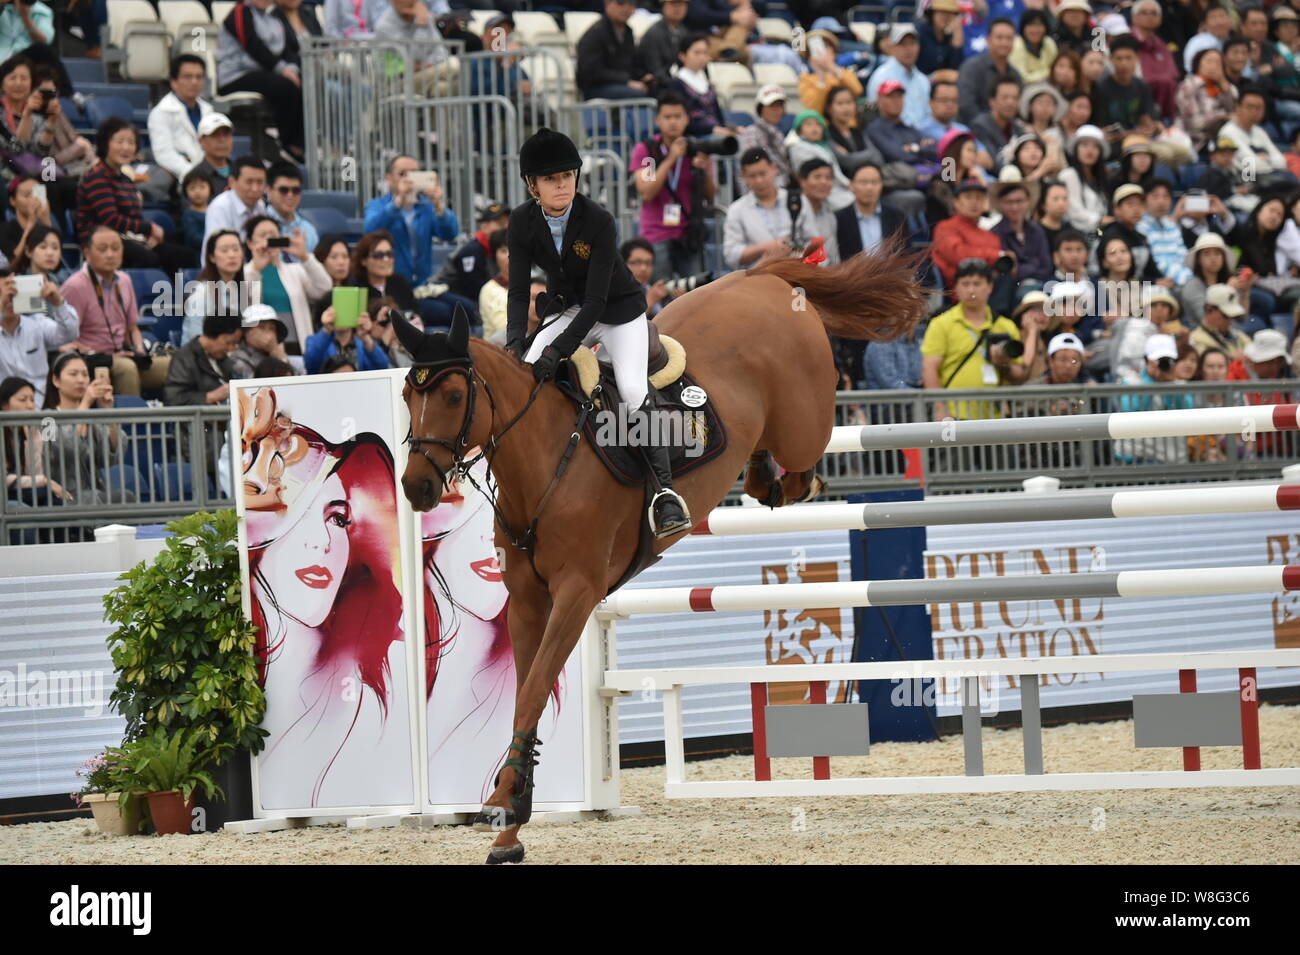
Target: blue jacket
(382,213)
(322,346)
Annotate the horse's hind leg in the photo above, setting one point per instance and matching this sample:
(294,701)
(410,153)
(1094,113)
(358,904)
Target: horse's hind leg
(800,486)
(765,483)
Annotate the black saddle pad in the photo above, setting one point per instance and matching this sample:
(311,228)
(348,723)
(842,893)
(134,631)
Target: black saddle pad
(684,412)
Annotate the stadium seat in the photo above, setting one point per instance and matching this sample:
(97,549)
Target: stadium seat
(356,229)
(145,282)
(173,481)
(85,71)
(640,23)
(326,219)
(241,146)
(727,77)
(864,31)
(125,16)
(539,29)
(162,218)
(1191,174)
(739,118)
(182,18)
(79,120)
(119,478)
(146,58)
(775,30)
(100,108)
(576,23)
(781,75)
(137,94)
(344,202)
(221,9)
(478,20)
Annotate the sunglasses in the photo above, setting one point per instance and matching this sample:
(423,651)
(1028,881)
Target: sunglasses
(289,190)
(381,255)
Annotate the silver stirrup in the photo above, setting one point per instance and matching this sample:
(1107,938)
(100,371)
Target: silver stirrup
(650,513)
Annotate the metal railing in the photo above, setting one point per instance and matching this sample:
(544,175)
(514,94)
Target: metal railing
(151,465)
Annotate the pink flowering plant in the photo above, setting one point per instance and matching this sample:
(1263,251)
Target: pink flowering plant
(96,775)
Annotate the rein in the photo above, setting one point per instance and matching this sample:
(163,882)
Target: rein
(422,377)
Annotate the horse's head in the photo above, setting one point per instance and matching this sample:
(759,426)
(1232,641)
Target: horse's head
(440,394)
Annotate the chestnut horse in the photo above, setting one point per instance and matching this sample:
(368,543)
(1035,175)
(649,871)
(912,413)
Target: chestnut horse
(757,343)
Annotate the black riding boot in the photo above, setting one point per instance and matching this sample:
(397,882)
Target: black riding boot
(669,514)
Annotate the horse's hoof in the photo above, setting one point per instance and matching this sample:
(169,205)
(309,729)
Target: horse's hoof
(494,819)
(499,855)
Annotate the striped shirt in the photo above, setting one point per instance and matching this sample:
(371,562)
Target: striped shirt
(108,197)
(1167,247)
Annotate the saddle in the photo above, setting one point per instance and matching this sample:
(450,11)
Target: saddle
(665,362)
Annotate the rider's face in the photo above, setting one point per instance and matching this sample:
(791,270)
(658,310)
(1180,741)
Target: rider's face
(556,190)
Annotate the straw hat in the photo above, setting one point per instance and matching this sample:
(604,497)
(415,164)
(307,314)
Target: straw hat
(1210,240)
(1033,91)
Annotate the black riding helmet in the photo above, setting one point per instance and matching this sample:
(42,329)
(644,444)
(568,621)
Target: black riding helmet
(546,152)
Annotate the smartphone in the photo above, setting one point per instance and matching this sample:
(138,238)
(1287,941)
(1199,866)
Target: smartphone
(1196,203)
(39,193)
(424,179)
(101,373)
(279,242)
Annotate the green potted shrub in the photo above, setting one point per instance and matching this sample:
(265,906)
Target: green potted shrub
(166,768)
(184,651)
(100,791)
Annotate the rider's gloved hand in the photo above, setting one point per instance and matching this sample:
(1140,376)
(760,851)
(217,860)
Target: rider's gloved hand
(547,362)
(516,348)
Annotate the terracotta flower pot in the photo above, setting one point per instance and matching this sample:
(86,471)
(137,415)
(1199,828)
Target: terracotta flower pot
(111,819)
(171,815)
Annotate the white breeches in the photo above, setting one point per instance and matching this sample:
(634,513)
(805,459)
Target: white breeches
(627,346)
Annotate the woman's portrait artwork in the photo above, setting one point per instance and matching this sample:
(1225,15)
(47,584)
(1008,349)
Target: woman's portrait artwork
(325,582)
(469,666)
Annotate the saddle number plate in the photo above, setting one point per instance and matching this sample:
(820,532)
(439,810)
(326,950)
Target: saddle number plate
(693,396)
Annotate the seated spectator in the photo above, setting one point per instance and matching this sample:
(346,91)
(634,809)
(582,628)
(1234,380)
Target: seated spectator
(665,180)
(27,340)
(1160,356)
(979,74)
(201,369)
(358,347)
(864,224)
(1257,239)
(1042,107)
(411,24)
(43,256)
(1209,262)
(765,132)
(175,119)
(897,141)
(758,226)
(413,218)
(288,287)
(301,20)
(1036,328)
(243,201)
(1078,111)
(1086,180)
(900,67)
(381,312)
(1034,160)
(28,29)
(816,217)
(256,53)
(84,448)
(1137,162)
(536,286)
(1052,208)
(467,269)
(54,137)
(335,255)
(24,450)
(942,119)
(492,296)
(808,140)
(660,44)
(950,361)
(1226,179)
(1116,275)
(1066,75)
(1236,62)
(1033,51)
(846,134)
(1216,26)
(1122,102)
(892,365)
(107,196)
(640,258)
(1163,234)
(28,198)
(1265,359)
(264,335)
(824,74)
(219,283)
(1205,99)
(1021,236)
(997,127)
(608,65)
(1064,361)
(284,193)
(1070,256)
(1251,139)
(352,19)
(1217,329)
(692,86)
(1130,335)
(216,135)
(21,153)
(942,43)
(960,238)
(1072,32)
(958,161)
(1159,71)
(104,299)
(196,191)
(728,23)
(372,268)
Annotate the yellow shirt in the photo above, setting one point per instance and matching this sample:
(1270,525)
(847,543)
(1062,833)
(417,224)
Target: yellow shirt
(951,337)
(1233,342)
(492,306)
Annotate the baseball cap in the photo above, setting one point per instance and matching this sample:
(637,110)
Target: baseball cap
(1064,340)
(970,185)
(769,94)
(1074,5)
(1223,142)
(212,122)
(1224,298)
(900,30)
(1126,190)
(1281,12)
(889,86)
(1267,344)
(493,211)
(254,315)
(1161,346)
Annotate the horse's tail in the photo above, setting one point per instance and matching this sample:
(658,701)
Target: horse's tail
(875,297)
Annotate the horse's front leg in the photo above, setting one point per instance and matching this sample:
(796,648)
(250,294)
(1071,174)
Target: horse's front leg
(511,803)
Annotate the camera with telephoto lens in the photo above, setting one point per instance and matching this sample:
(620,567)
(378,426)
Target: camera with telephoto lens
(1011,347)
(689,283)
(712,145)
